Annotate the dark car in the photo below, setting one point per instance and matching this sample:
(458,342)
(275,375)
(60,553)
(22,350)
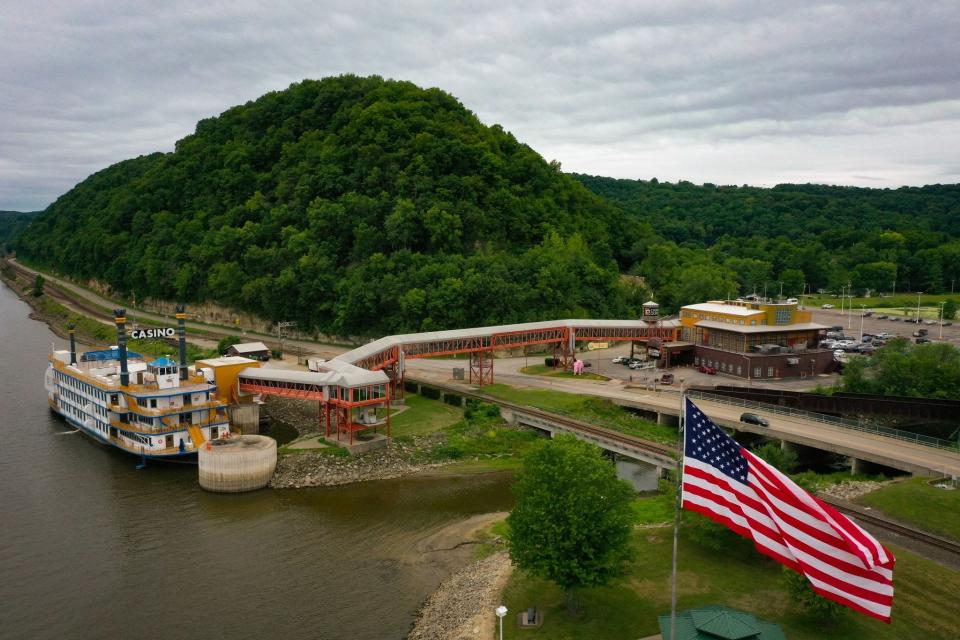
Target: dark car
(922,340)
(882,316)
(666,378)
(708,370)
(752,418)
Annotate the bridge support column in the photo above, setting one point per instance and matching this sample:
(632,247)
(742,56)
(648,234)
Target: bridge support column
(640,475)
(481,367)
(669,420)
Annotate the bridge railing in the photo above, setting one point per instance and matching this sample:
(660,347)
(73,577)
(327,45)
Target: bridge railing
(845,423)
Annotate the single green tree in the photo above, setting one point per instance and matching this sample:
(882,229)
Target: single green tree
(798,588)
(572,519)
(950,309)
(37,290)
(783,459)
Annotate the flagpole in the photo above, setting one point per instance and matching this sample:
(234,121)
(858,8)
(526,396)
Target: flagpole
(681,446)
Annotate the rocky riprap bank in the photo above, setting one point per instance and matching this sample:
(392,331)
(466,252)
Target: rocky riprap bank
(463,606)
(313,468)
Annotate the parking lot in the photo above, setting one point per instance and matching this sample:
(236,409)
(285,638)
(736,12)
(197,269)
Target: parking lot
(872,325)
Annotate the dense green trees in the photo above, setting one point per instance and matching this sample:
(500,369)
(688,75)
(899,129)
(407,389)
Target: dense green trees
(904,369)
(819,236)
(11,224)
(572,520)
(351,205)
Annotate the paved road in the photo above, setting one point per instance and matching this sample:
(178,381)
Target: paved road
(896,453)
(507,370)
(308,347)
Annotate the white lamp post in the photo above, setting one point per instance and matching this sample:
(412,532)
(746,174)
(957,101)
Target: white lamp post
(861,323)
(940,336)
(501,612)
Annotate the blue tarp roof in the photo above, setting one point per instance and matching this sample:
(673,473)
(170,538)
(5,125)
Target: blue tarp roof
(163,362)
(107,354)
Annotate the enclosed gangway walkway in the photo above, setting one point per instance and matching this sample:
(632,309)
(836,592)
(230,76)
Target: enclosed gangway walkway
(350,388)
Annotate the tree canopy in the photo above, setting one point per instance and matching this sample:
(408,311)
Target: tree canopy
(350,205)
(572,520)
(904,369)
(820,236)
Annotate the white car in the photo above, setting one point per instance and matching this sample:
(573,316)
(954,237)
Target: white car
(826,305)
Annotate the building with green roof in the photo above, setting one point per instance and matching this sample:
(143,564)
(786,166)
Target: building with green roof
(720,623)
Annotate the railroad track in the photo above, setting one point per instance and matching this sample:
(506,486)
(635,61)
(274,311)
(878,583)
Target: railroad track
(859,513)
(892,526)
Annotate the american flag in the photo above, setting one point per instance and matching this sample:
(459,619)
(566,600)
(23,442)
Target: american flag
(735,488)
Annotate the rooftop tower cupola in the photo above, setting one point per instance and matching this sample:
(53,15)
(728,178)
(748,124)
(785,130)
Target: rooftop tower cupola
(165,372)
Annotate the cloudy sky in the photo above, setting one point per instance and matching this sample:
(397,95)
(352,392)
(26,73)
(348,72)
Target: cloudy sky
(864,93)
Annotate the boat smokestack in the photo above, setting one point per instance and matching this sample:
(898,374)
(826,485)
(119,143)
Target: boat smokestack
(182,330)
(71,329)
(119,316)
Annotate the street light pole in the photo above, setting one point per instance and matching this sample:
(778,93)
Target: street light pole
(919,293)
(940,334)
(861,323)
(501,611)
(850,304)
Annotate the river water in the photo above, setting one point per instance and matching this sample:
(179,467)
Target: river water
(92,548)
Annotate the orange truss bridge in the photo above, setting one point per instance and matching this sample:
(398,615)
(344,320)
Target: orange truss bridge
(389,354)
(353,390)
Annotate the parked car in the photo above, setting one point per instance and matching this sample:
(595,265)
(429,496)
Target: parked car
(620,359)
(666,378)
(930,322)
(792,300)
(894,318)
(752,418)
(946,323)
(708,370)
(922,340)
(882,316)
(826,305)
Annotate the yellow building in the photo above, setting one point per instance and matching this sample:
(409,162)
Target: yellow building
(754,339)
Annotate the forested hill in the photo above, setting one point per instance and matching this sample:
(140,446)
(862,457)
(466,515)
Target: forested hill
(11,222)
(352,205)
(820,235)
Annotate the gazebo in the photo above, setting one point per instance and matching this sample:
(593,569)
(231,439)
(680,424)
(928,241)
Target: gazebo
(720,623)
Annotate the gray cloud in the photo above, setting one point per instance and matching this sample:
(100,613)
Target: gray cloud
(738,92)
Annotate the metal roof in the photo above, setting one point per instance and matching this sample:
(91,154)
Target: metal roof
(386,342)
(249,347)
(763,328)
(347,376)
(112,353)
(718,307)
(225,361)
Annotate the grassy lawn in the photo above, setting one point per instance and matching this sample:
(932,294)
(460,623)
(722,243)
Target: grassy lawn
(481,466)
(598,411)
(915,502)
(929,304)
(424,416)
(550,372)
(740,578)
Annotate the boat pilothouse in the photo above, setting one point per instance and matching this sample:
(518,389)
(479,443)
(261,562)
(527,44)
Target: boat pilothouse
(158,408)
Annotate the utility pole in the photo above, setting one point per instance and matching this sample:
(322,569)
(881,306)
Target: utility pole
(919,293)
(281,333)
(861,323)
